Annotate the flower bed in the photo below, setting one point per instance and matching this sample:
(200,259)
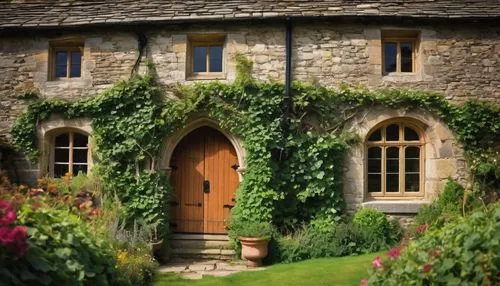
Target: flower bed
(63,233)
(465,252)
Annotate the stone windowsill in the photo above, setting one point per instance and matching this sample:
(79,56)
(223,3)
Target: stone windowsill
(77,82)
(396,207)
(402,77)
(206,76)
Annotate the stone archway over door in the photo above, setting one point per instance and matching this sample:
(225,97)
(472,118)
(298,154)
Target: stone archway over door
(204,182)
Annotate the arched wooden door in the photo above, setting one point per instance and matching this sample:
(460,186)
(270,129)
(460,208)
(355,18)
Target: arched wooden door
(204,182)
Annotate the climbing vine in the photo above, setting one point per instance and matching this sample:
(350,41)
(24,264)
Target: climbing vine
(287,179)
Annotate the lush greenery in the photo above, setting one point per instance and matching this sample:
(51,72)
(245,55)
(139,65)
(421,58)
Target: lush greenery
(293,159)
(68,235)
(350,237)
(448,206)
(384,229)
(327,271)
(61,251)
(135,268)
(462,252)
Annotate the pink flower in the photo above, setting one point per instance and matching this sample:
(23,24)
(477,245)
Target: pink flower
(427,268)
(15,238)
(7,213)
(363,283)
(9,217)
(5,238)
(394,253)
(21,240)
(4,205)
(377,262)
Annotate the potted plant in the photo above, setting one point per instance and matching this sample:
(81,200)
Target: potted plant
(254,238)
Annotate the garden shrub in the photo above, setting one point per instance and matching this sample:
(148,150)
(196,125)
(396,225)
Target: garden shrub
(135,268)
(252,229)
(379,224)
(61,251)
(304,243)
(463,252)
(69,224)
(447,207)
(369,231)
(351,239)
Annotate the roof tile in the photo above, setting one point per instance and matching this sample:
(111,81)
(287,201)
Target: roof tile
(56,13)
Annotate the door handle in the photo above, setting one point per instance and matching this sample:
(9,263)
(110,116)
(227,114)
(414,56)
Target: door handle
(206,186)
(227,206)
(235,167)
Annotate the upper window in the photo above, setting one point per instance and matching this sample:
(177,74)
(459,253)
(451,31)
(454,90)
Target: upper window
(399,51)
(395,161)
(71,153)
(66,60)
(206,56)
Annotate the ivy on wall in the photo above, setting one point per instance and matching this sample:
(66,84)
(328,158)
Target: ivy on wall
(287,180)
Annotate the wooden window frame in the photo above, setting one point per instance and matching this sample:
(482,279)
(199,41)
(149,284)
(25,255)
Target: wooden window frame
(207,41)
(400,36)
(402,145)
(70,147)
(68,47)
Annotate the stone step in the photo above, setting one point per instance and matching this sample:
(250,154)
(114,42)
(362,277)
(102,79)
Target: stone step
(200,244)
(221,254)
(184,236)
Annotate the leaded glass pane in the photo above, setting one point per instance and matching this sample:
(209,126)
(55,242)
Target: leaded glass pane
(390,57)
(200,59)
(406,57)
(216,59)
(376,136)
(411,135)
(392,132)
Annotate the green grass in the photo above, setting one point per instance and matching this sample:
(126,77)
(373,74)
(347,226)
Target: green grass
(326,271)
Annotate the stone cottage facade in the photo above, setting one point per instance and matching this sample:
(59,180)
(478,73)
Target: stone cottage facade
(72,49)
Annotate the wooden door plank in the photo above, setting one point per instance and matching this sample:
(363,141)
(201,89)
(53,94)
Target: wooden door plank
(218,161)
(187,182)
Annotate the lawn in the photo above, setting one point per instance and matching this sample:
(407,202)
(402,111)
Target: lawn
(326,271)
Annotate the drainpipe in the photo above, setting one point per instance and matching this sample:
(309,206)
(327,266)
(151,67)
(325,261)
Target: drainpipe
(287,98)
(288,68)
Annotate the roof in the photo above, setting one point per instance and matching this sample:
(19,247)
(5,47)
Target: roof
(15,14)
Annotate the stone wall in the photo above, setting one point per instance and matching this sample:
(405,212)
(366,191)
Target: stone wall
(24,64)
(458,61)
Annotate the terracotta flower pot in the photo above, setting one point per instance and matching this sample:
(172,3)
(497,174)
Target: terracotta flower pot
(253,249)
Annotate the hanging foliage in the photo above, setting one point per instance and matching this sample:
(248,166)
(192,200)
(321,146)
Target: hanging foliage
(287,180)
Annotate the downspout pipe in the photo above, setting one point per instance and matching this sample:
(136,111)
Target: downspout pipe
(288,67)
(287,96)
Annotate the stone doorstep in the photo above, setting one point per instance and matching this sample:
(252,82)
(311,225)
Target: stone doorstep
(205,256)
(213,237)
(203,251)
(201,244)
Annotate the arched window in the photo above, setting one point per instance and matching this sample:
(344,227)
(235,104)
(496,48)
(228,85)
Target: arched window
(70,154)
(395,161)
